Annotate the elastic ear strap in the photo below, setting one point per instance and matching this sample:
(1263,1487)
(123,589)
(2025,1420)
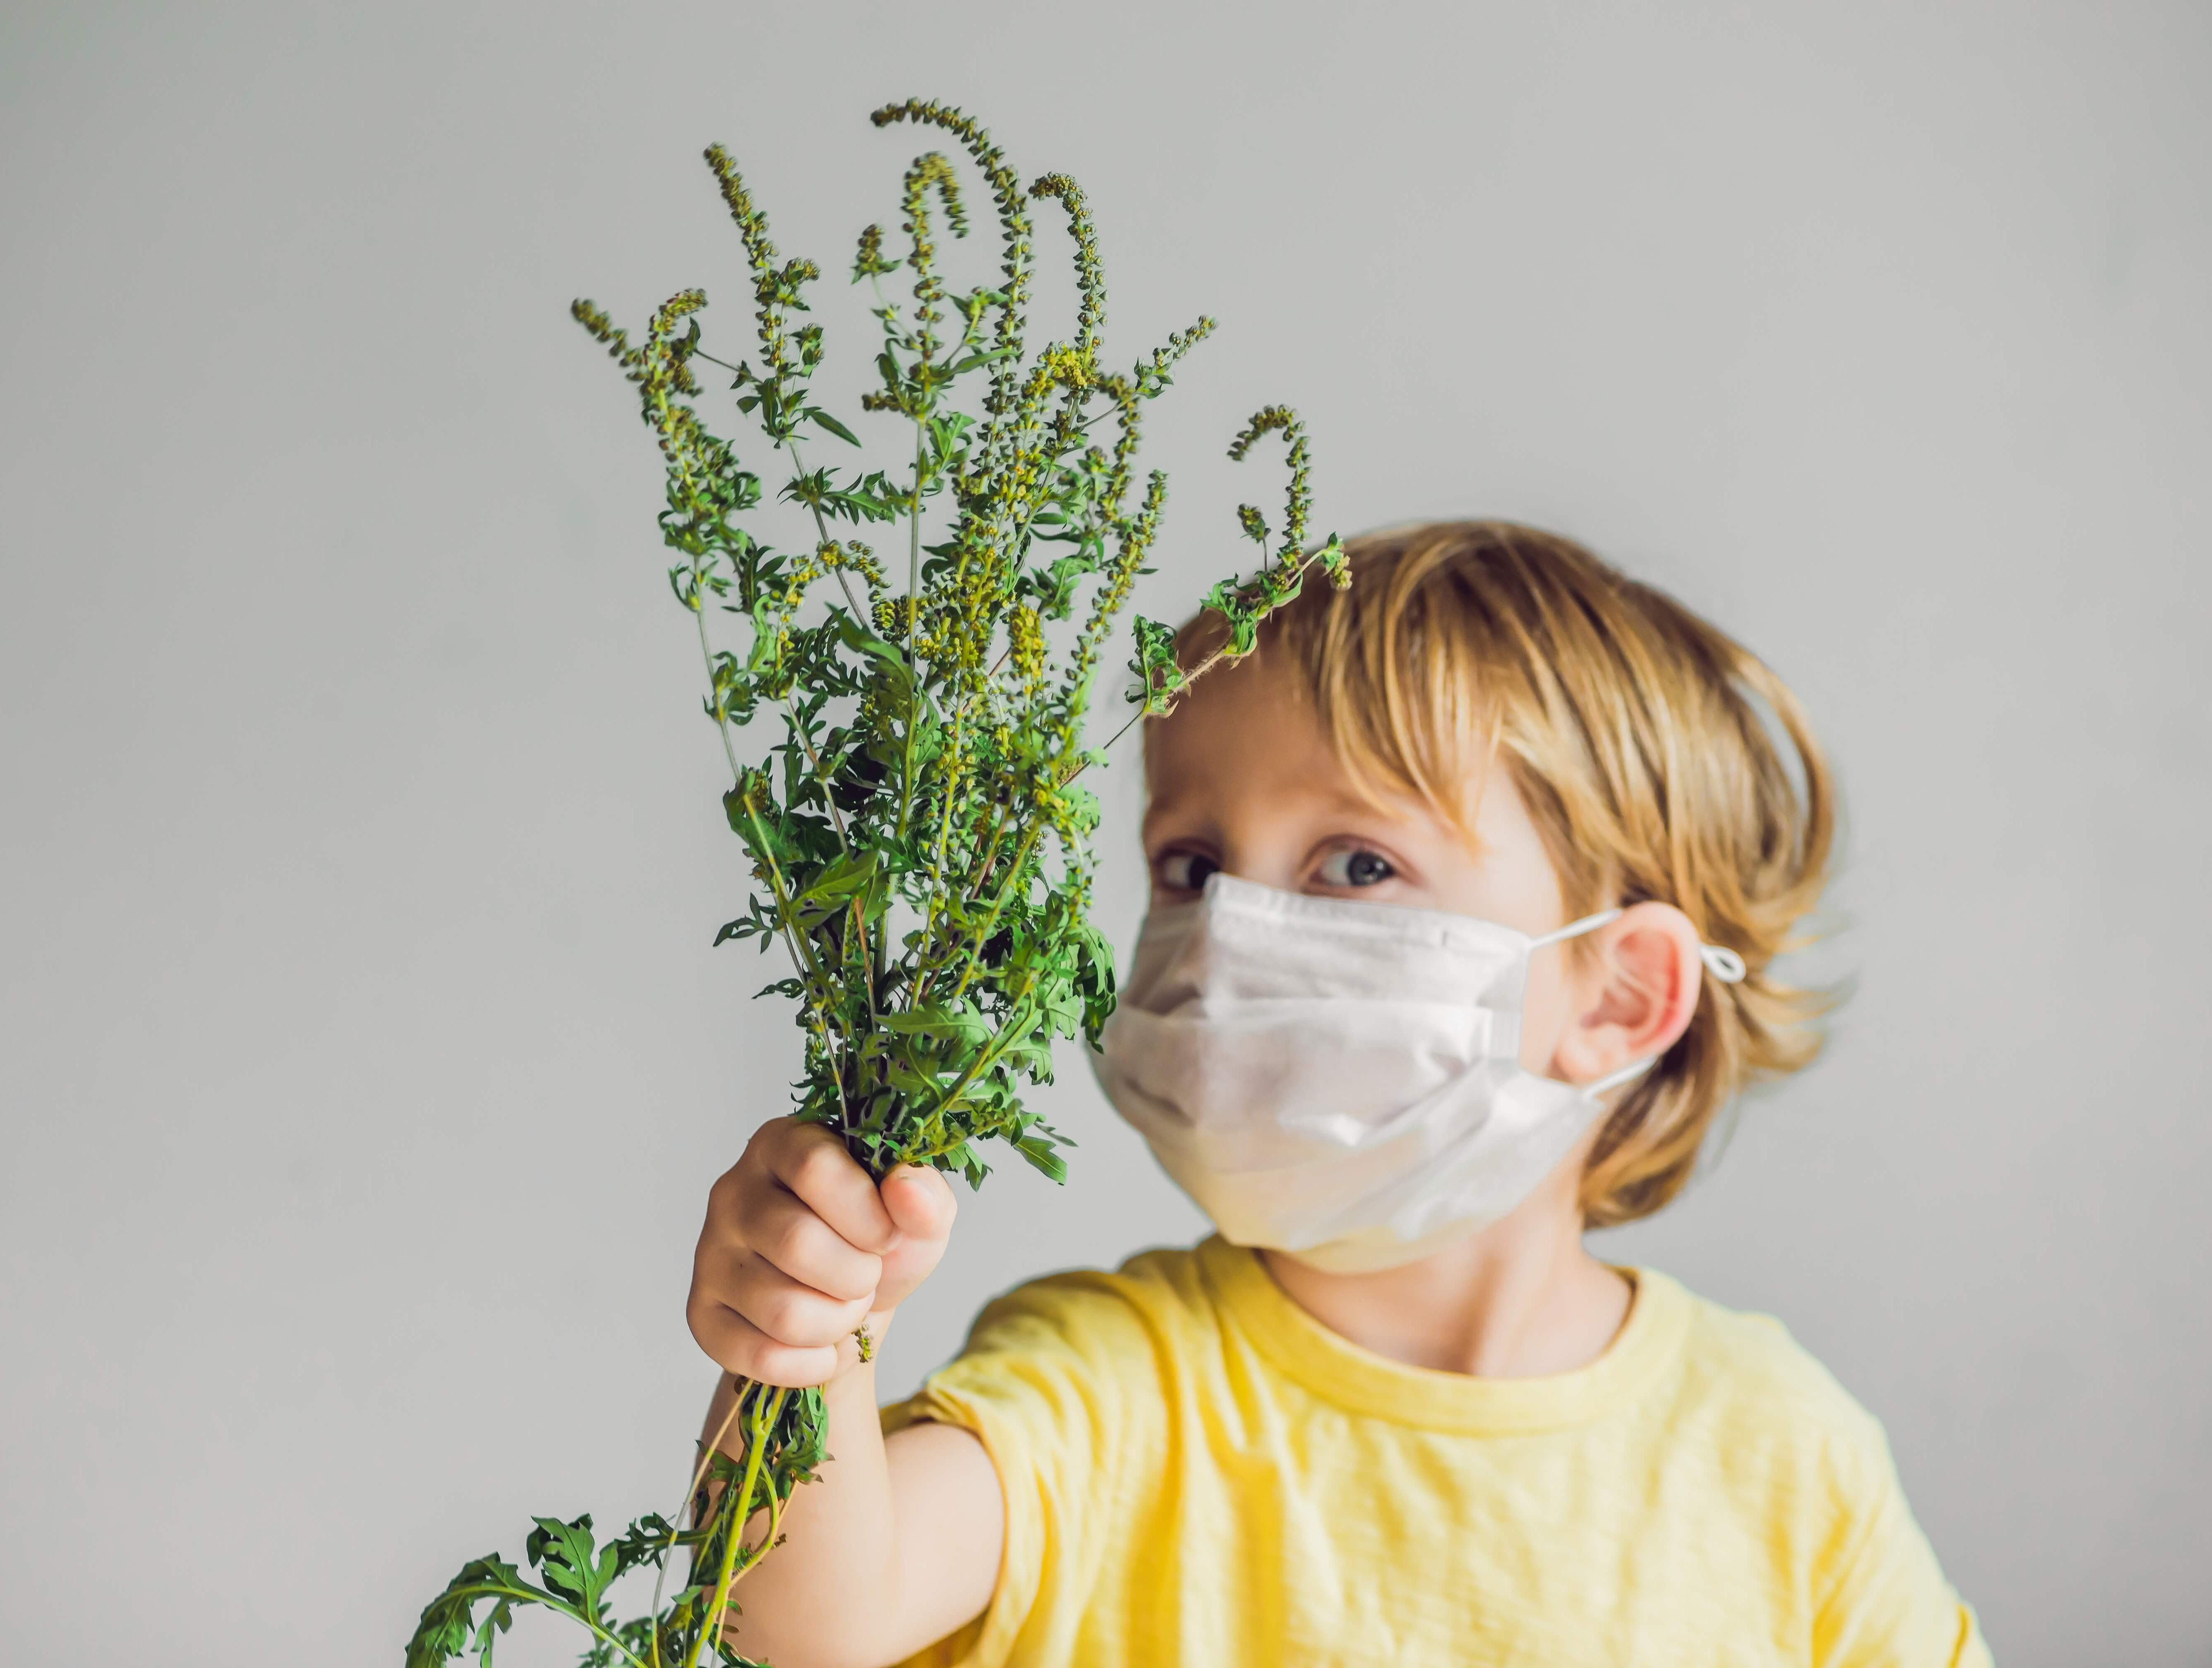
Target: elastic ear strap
(1723,963)
(1576,929)
(1591,1091)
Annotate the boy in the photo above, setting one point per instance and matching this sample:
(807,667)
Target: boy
(1466,889)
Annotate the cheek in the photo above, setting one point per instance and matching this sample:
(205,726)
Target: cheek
(1544,1018)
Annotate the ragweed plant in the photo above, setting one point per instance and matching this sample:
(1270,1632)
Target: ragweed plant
(917,840)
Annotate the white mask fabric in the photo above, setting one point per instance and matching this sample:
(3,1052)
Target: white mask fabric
(1337,1079)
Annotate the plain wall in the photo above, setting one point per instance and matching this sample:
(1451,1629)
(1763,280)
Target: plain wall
(363,1061)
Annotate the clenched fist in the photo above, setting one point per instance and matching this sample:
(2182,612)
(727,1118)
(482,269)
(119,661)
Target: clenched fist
(800,1249)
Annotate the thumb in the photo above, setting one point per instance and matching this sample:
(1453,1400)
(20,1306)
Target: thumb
(920,1205)
(919,1202)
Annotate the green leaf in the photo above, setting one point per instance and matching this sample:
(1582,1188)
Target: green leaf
(936,1019)
(971,361)
(823,419)
(844,879)
(1042,1158)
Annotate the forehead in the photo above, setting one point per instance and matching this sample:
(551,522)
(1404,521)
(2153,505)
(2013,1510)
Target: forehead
(1248,736)
(1257,706)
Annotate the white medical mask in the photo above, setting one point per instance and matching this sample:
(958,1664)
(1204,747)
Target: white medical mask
(1342,1080)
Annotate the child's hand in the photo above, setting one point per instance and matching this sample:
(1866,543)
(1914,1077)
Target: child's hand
(800,1249)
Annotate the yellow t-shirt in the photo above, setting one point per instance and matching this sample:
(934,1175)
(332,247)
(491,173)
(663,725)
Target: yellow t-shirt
(1197,1472)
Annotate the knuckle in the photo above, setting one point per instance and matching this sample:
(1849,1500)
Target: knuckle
(770,1142)
(852,1281)
(867,1275)
(782,1315)
(783,1241)
(823,1164)
(875,1245)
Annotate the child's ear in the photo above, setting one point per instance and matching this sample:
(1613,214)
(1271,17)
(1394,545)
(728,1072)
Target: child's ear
(1637,991)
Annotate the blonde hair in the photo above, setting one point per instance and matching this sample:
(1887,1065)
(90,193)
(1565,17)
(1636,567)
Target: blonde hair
(1636,733)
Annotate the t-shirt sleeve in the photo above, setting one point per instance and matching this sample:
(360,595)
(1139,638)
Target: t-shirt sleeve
(1049,1381)
(1885,1603)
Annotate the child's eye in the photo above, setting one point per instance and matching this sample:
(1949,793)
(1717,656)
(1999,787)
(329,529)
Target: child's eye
(1356,867)
(1186,872)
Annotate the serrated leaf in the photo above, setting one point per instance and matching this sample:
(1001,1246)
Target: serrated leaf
(1042,1158)
(937,1020)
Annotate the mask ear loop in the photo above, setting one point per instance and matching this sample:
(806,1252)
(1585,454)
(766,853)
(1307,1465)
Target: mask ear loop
(1723,963)
(1614,1080)
(1576,929)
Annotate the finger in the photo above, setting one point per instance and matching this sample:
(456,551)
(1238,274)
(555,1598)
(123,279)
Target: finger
(813,1164)
(787,1312)
(736,1345)
(782,1228)
(919,1202)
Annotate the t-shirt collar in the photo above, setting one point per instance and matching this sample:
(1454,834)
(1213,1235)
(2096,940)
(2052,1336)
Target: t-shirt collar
(1340,1371)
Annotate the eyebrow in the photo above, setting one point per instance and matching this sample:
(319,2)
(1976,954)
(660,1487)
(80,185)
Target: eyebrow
(1326,803)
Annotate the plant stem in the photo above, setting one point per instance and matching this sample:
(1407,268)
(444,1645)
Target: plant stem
(1019,1020)
(859,921)
(990,851)
(913,607)
(745,1388)
(967,891)
(760,1426)
(699,609)
(791,714)
(801,951)
(979,936)
(707,654)
(822,534)
(530,1595)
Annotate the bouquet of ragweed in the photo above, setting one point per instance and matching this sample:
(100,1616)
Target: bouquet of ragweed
(918,838)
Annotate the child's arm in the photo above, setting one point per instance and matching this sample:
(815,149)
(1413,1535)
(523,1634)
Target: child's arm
(899,1543)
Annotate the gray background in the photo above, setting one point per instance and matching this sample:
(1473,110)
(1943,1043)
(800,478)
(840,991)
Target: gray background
(362,1059)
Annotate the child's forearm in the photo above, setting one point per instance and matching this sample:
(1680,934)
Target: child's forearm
(796,1606)
(895,1546)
